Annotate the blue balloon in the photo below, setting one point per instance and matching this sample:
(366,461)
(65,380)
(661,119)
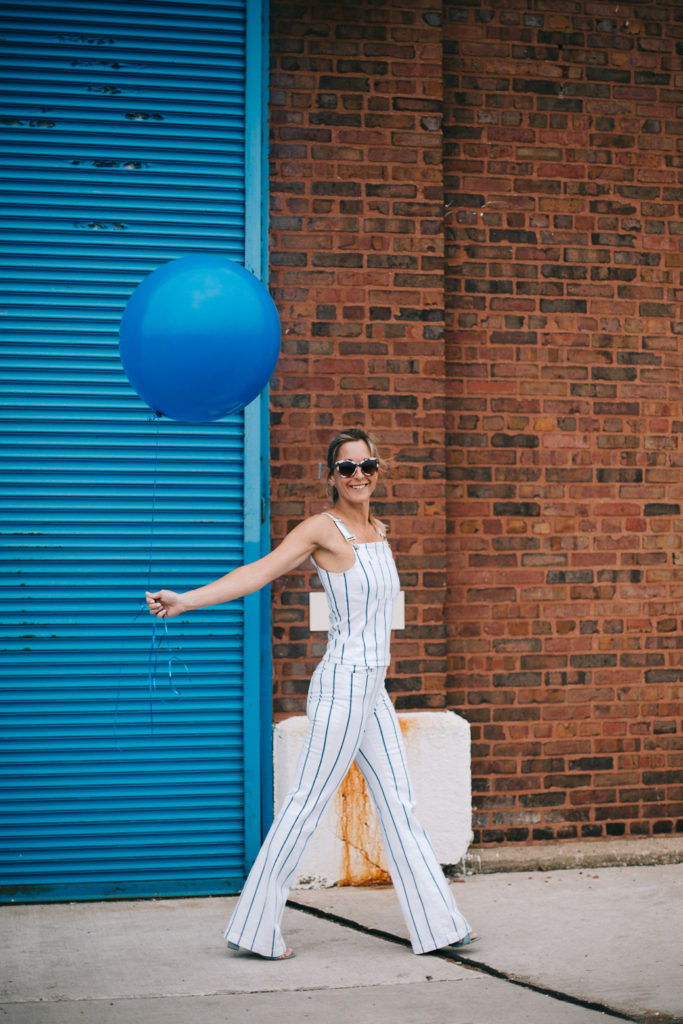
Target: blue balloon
(199,338)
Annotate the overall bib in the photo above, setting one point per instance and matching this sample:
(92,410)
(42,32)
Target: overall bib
(350,717)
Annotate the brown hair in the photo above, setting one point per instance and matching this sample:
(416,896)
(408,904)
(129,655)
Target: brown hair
(351,434)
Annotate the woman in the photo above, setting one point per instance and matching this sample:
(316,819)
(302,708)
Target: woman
(350,714)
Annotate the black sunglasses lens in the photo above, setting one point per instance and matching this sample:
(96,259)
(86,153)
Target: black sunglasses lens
(347,468)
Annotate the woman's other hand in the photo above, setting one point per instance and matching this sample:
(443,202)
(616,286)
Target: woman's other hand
(165,604)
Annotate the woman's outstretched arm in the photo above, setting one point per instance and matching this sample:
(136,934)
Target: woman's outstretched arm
(297,546)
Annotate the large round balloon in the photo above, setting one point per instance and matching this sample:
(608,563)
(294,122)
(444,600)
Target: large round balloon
(199,338)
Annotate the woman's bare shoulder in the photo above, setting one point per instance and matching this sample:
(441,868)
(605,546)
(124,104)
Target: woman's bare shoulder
(323,519)
(320,526)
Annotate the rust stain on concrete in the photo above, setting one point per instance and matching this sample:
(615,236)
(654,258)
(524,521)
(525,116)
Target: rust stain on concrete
(362,860)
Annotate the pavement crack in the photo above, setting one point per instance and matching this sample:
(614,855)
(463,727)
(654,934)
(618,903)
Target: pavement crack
(478,965)
(327,915)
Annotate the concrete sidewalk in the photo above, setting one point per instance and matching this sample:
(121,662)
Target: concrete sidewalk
(606,939)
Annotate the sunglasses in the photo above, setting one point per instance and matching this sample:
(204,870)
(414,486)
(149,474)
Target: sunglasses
(347,467)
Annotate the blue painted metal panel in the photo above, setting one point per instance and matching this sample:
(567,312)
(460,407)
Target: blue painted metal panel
(124,135)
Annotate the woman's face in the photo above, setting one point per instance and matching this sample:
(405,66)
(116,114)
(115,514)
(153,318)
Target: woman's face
(359,487)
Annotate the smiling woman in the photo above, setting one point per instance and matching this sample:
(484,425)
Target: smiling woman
(342,466)
(350,715)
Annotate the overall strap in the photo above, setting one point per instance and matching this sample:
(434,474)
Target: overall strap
(349,536)
(343,530)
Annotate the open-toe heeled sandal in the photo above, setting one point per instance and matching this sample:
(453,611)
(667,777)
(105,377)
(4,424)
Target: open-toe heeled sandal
(287,955)
(467,941)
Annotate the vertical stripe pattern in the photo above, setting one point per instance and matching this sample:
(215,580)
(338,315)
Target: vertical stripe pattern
(350,717)
(361,602)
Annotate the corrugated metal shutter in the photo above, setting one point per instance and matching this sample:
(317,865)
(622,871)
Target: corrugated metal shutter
(124,142)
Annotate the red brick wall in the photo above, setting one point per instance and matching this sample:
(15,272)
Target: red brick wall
(529,398)
(563,156)
(356,236)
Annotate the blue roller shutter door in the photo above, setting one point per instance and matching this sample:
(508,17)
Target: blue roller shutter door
(124,135)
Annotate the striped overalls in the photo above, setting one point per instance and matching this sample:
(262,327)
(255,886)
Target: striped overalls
(351,718)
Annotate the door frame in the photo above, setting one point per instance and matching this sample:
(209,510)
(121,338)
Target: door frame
(258,741)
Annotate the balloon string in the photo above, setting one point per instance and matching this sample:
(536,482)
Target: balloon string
(153,419)
(165,639)
(152,671)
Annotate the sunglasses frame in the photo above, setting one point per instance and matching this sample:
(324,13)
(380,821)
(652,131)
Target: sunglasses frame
(357,465)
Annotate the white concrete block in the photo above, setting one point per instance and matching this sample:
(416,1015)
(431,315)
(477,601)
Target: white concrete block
(319,614)
(347,847)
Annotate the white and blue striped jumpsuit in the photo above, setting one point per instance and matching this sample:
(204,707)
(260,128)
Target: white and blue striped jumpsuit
(351,718)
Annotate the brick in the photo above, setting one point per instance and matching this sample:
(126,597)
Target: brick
(500,440)
(516,508)
(655,509)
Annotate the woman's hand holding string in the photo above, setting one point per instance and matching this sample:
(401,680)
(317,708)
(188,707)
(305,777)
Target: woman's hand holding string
(165,604)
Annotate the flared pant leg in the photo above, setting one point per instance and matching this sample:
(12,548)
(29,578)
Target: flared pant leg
(427,903)
(340,701)
(350,717)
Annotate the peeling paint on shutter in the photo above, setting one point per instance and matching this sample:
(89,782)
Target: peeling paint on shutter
(124,139)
